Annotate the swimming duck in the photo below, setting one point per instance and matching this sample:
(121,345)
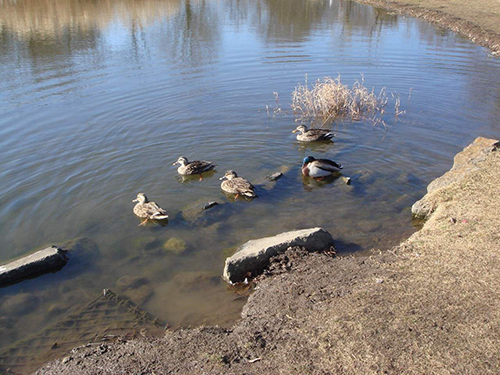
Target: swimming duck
(319,168)
(312,135)
(148,210)
(195,167)
(237,185)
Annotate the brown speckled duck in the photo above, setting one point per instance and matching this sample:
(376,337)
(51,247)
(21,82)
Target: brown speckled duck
(233,184)
(194,167)
(312,135)
(148,210)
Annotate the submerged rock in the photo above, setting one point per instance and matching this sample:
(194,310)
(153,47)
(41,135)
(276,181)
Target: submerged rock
(20,304)
(175,245)
(131,282)
(252,257)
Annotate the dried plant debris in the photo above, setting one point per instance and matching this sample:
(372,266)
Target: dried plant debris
(329,99)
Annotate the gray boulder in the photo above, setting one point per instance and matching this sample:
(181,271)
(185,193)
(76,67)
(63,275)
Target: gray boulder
(464,163)
(46,260)
(252,257)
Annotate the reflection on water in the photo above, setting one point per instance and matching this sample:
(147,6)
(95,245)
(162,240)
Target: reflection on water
(97,99)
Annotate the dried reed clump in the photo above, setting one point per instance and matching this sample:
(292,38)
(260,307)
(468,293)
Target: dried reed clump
(330,99)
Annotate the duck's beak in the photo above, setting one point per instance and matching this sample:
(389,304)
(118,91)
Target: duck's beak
(135,200)
(174,163)
(294,131)
(222,178)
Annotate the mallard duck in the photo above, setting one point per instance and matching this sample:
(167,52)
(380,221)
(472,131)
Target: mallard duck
(194,167)
(312,135)
(148,210)
(233,184)
(319,168)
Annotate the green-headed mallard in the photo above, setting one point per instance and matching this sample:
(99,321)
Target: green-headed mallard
(233,184)
(312,135)
(194,167)
(319,168)
(148,210)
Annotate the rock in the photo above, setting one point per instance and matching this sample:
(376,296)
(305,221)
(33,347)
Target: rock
(139,295)
(195,280)
(20,304)
(131,282)
(47,260)
(175,245)
(145,243)
(275,176)
(210,205)
(253,256)
(82,253)
(347,180)
(463,163)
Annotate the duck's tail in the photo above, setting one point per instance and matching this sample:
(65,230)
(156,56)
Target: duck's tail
(249,194)
(159,216)
(329,135)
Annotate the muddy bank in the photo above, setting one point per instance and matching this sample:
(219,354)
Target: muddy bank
(430,305)
(478,20)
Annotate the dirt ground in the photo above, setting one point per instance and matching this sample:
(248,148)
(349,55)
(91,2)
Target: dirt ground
(478,20)
(428,306)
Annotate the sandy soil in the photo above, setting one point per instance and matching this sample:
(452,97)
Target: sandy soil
(429,306)
(478,20)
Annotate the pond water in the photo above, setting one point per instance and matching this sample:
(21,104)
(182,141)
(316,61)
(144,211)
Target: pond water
(97,99)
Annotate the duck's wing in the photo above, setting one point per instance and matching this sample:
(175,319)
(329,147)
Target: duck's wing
(327,165)
(153,209)
(320,134)
(245,187)
(198,166)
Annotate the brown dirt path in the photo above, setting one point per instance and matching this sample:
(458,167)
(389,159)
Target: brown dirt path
(478,20)
(429,306)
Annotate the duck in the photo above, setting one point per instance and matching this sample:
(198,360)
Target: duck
(194,167)
(319,168)
(233,184)
(312,135)
(148,210)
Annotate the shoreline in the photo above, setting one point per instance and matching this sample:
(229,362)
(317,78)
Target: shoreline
(429,305)
(478,21)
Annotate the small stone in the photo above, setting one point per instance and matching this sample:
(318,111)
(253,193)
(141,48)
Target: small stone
(379,281)
(453,220)
(275,176)
(347,180)
(67,359)
(175,245)
(210,205)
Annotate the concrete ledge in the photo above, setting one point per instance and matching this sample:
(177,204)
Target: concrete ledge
(252,257)
(43,261)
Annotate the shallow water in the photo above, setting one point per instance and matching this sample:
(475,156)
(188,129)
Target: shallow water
(97,99)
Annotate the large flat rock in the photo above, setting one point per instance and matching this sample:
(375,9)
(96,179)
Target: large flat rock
(252,257)
(42,261)
(464,163)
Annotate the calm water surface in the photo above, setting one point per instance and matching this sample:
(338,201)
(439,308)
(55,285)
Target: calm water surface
(97,99)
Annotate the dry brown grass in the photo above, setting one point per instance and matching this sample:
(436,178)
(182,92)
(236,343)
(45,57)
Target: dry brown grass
(329,99)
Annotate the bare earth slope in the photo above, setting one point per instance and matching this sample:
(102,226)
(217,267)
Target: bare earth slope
(431,305)
(478,20)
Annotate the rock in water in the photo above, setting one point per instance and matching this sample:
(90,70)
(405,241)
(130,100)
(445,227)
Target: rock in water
(275,176)
(43,261)
(253,256)
(175,245)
